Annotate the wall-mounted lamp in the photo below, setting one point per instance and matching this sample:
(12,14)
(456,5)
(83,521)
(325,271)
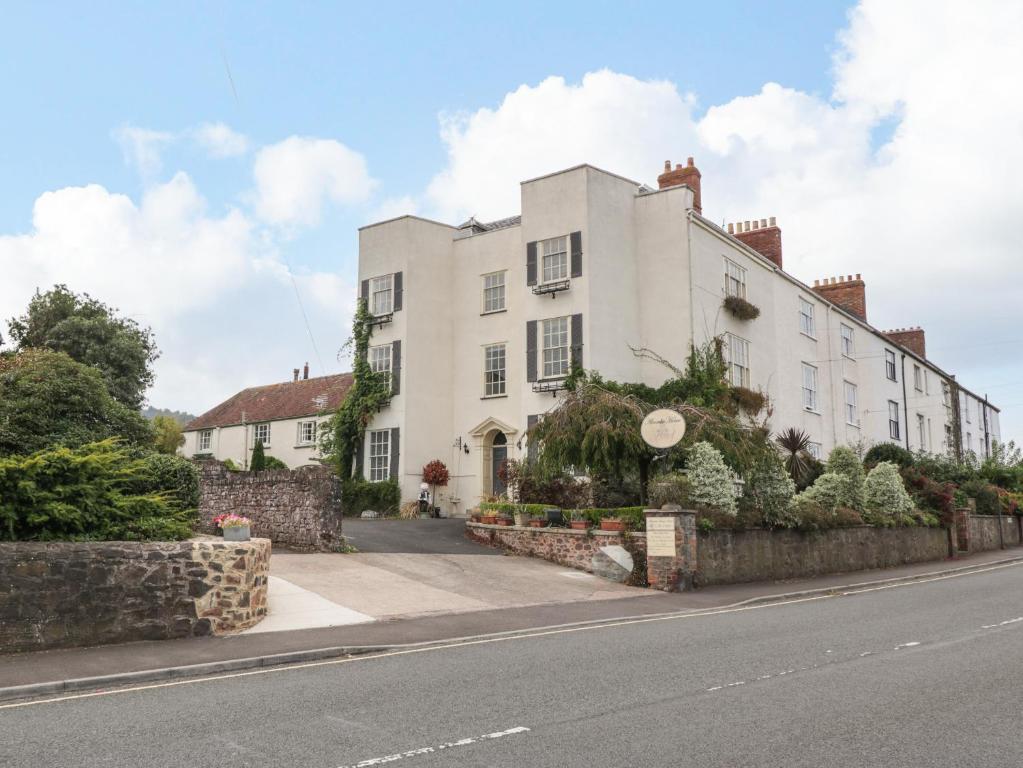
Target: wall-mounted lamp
(462,445)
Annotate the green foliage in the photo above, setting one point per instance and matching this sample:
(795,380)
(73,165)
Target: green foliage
(985,494)
(1004,467)
(888,452)
(946,468)
(371,390)
(769,491)
(930,495)
(669,488)
(845,463)
(272,462)
(91,333)
(741,309)
(230,466)
(829,491)
(160,473)
(633,517)
(884,494)
(358,495)
(169,436)
(710,480)
(534,486)
(47,399)
(93,492)
(258,461)
(510,508)
(795,446)
(181,417)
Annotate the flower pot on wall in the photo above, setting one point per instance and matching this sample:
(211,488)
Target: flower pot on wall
(580,525)
(612,524)
(489,519)
(521,519)
(506,521)
(236,533)
(538,522)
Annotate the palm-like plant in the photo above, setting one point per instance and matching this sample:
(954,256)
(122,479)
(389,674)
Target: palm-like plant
(795,444)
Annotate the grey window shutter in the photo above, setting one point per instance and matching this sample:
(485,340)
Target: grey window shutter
(531,350)
(395,435)
(531,263)
(577,341)
(531,422)
(577,253)
(365,290)
(399,291)
(358,458)
(396,367)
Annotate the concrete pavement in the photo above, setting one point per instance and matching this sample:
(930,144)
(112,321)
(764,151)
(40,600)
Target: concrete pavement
(920,675)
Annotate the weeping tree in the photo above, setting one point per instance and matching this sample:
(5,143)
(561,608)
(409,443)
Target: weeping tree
(596,425)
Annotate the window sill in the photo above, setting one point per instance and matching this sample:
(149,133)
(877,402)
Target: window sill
(850,424)
(494,397)
(493,312)
(811,410)
(305,445)
(850,358)
(804,333)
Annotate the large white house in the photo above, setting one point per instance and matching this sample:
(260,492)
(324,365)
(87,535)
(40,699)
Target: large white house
(485,319)
(285,416)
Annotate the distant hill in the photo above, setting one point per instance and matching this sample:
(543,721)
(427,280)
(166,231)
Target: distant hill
(182,417)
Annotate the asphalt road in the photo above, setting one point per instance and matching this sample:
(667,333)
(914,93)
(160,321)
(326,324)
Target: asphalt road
(922,675)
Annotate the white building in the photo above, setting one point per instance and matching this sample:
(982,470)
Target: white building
(485,319)
(286,417)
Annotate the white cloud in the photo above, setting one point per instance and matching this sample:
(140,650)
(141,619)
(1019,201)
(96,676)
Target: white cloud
(220,140)
(295,177)
(929,217)
(142,147)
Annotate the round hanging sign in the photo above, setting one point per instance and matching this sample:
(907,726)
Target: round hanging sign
(663,428)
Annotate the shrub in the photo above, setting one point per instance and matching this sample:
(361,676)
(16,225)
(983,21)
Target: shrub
(888,452)
(633,517)
(749,400)
(93,492)
(710,480)
(740,308)
(533,487)
(435,473)
(670,488)
(847,518)
(230,466)
(808,515)
(358,495)
(258,462)
(610,492)
(510,508)
(946,468)
(160,472)
(845,463)
(272,462)
(930,495)
(830,491)
(884,494)
(985,494)
(769,491)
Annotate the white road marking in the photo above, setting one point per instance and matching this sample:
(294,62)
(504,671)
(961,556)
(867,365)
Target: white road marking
(502,639)
(906,645)
(429,750)
(1003,623)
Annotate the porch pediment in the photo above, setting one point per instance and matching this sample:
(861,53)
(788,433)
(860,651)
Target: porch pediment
(489,425)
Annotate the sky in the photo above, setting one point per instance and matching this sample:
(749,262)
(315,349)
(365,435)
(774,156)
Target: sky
(205,167)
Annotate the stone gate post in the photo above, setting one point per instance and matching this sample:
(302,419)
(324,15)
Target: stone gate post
(671,557)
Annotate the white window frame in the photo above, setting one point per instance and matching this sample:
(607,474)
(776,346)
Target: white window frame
(735,279)
(301,428)
(894,424)
(381,295)
(816,450)
(811,385)
(553,259)
(921,430)
(379,441)
(851,401)
(556,357)
(204,441)
(946,394)
(948,437)
(495,370)
(807,319)
(890,369)
(737,352)
(966,408)
(848,340)
(256,429)
(380,359)
(494,292)
(918,378)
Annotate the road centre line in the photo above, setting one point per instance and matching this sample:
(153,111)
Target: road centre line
(446,745)
(504,638)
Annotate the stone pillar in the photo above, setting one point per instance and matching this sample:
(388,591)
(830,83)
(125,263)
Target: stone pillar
(962,526)
(671,548)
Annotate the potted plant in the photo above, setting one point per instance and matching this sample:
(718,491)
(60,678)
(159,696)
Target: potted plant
(488,517)
(612,524)
(505,519)
(234,527)
(521,516)
(434,474)
(577,521)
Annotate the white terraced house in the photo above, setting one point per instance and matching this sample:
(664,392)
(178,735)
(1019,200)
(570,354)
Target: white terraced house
(484,320)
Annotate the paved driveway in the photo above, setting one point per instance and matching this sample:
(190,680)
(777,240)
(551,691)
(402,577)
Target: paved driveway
(407,568)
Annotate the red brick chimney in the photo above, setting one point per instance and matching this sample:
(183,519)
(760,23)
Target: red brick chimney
(687,174)
(762,236)
(848,293)
(910,338)
(305,371)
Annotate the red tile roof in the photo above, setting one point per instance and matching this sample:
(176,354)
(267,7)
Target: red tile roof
(305,397)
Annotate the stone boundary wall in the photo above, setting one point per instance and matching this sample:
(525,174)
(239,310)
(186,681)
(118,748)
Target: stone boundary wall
(64,594)
(559,545)
(984,532)
(732,557)
(294,508)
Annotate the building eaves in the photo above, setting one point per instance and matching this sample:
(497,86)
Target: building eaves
(576,168)
(405,216)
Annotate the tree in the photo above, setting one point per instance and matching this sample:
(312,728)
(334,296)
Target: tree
(47,399)
(885,495)
(769,489)
(795,444)
(711,483)
(93,334)
(169,436)
(845,463)
(258,462)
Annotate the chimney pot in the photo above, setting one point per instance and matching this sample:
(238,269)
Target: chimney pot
(667,165)
(295,373)
(772,222)
(763,223)
(305,371)
(731,229)
(690,163)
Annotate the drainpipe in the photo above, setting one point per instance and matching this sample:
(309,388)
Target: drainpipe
(831,379)
(905,401)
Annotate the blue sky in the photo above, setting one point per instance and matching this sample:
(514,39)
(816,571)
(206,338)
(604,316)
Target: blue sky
(133,169)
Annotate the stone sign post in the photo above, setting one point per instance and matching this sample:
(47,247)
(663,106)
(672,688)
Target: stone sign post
(670,548)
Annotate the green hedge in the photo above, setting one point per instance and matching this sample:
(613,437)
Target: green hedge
(358,495)
(508,508)
(98,492)
(634,517)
